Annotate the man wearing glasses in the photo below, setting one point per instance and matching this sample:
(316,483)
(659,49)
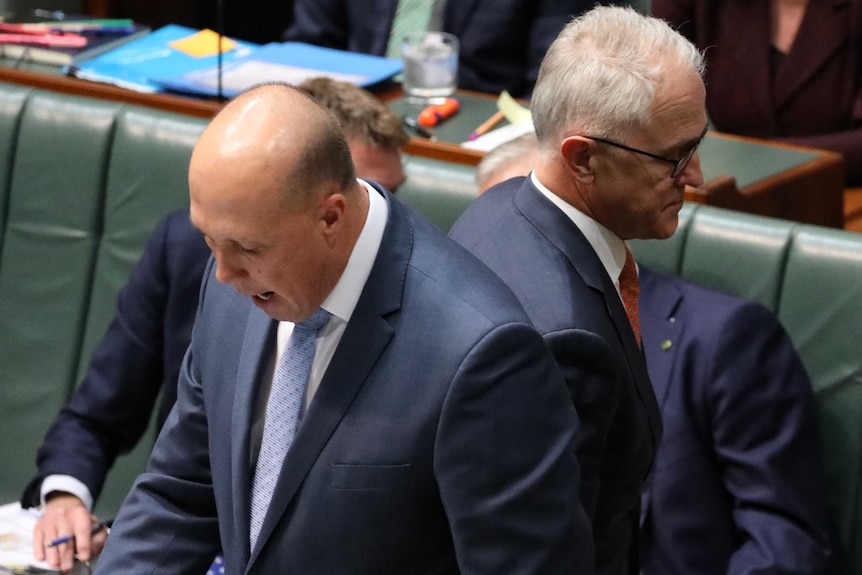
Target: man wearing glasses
(619,110)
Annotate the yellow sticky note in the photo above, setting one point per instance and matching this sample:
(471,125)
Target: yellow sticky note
(202,44)
(514,112)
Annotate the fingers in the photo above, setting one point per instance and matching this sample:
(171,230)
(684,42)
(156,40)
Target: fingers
(98,540)
(64,516)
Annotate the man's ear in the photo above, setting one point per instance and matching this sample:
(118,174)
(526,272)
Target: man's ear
(331,215)
(577,154)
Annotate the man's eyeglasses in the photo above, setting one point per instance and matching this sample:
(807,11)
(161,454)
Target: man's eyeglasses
(679,164)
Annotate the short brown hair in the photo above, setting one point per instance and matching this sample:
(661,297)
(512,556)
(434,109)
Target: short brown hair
(360,114)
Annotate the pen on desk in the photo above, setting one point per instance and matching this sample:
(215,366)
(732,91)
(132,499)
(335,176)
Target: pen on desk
(411,123)
(487,125)
(69,538)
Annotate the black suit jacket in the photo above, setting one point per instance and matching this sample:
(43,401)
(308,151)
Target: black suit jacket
(502,41)
(537,250)
(139,356)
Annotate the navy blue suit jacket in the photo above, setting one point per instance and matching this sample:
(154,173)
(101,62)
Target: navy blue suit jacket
(439,440)
(139,356)
(537,250)
(502,41)
(737,486)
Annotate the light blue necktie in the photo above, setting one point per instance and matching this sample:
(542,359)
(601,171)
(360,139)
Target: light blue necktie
(282,414)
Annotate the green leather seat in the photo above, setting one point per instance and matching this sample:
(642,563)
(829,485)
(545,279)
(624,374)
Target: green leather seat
(147,178)
(440,191)
(11,104)
(665,256)
(821,307)
(49,249)
(738,253)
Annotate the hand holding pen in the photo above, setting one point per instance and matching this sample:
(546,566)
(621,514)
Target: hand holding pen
(67,531)
(98,526)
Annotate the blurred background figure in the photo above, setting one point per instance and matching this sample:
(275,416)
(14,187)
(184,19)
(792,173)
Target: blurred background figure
(502,41)
(785,70)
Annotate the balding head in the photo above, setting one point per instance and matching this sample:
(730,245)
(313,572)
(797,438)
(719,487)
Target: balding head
(272,189)
(277,134)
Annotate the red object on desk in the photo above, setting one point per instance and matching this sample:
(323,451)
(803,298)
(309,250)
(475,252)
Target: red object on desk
(433,115)
(63,40)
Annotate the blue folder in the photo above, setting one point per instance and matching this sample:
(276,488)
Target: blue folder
(134,65)
(291,62)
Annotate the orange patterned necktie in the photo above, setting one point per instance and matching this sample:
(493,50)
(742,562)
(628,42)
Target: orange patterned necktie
(630,292)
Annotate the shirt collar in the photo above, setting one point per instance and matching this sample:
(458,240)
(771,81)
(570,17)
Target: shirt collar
(342,300)
(610,249)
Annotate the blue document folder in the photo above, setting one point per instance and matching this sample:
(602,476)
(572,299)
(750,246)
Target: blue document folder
(291,62)
(134,65)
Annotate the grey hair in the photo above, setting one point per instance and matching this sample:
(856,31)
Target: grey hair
(600,75)
(504,155)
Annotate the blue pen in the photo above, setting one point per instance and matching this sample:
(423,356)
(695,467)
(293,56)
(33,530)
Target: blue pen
(69,538)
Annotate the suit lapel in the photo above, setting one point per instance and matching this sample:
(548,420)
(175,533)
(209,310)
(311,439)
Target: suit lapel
(551,222)
(364,340)
(660,329)
(825,28)
(257,344)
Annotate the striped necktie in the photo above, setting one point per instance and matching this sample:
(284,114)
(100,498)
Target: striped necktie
(411,16)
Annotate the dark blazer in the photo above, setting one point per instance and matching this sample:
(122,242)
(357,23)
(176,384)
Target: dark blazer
(502,41)
(815,98)
(439,440)
(537,250)
(139,356)
(737,486)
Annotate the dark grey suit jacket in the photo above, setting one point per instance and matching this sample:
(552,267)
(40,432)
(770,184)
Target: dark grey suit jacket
(537,250)
(439,440)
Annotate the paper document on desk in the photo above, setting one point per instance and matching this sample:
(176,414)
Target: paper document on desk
(16,541)
(520,123)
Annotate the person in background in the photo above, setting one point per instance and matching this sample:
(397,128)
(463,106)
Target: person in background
(414,423)
(509,160)
(502,42)
(737,484)
(783,70)
(140,355)
(619,113)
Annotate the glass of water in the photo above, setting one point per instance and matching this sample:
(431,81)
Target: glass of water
(430,66)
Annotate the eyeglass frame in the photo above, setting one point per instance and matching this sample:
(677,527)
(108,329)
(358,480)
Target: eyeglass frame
(679,164)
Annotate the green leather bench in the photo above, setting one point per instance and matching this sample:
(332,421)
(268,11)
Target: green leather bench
(84,181)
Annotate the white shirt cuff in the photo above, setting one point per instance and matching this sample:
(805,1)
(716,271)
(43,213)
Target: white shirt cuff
(67,484)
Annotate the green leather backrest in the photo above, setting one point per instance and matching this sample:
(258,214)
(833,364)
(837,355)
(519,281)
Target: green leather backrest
(147,178)
(665,256)
(440,191)
(49,249)
(821,307)
(738,253)
(11,104)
